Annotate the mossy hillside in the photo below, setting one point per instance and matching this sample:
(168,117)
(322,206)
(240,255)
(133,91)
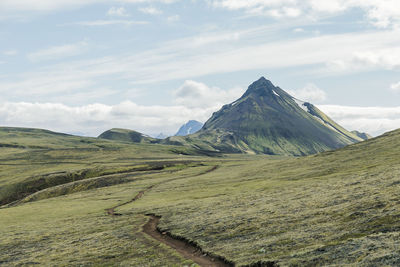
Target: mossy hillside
(39,159)
(126,135)
(335,208)
(338,207)
(75,230)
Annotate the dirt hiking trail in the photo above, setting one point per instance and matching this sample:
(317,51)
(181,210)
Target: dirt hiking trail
(187,249)
(184,247)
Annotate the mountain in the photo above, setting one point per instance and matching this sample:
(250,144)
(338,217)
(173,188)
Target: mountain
(161,136)
(267,120)
(126,135)
(190,127)
(363,136)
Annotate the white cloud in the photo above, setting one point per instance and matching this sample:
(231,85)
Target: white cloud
(329,6)
(373,120)
(93,119)
(298,30)
(299,52)
(10,52)
(199,55)
(193,100)
(111,22)
(310,93)
(395,87)
(52,5)
(173,18)
(381,13)
(44,86)
(41,5)
(388,58)
(193,94)
(202,40)
(281,12)
(150,10)
(117,11)
(57,52)
(375,57)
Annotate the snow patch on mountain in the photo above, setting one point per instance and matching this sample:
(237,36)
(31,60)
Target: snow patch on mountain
(301,104)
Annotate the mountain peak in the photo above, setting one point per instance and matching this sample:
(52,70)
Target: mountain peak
(268,120)
(260,87)
(262,82)
(262,79)
(190,127)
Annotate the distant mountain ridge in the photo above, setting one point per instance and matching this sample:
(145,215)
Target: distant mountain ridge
(190,127)
(268,120)
(161,136)
(364,136)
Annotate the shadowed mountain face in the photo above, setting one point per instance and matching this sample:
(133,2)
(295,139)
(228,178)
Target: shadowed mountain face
(268,120)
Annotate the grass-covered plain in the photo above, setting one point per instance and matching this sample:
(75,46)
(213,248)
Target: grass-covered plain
(336,208)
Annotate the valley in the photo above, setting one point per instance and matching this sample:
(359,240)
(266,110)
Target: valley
(334,208)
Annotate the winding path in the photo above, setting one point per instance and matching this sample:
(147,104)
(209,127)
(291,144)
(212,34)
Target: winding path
(188,250)
(184,247)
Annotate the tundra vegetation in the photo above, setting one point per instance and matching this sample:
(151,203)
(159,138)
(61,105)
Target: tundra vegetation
(335,208)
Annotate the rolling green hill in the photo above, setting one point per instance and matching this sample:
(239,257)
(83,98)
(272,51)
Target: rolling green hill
(126,135)
(336,208)
(268,120)
(33,159)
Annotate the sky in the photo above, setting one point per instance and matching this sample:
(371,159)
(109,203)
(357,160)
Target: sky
(85,66)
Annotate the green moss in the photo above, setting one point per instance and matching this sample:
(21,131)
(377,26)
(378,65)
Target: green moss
(335,208)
